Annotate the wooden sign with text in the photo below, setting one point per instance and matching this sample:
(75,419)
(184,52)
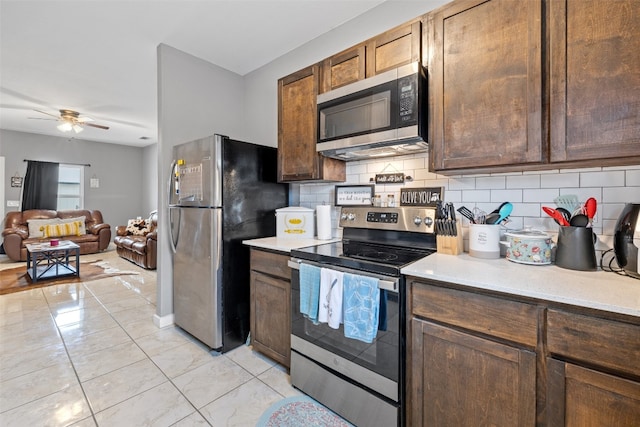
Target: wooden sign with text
(427,196)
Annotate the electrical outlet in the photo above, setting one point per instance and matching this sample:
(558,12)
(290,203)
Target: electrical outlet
(13,203)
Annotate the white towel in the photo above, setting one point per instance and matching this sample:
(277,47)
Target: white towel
(330,308)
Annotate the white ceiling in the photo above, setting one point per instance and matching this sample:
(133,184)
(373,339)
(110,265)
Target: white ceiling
(98,57)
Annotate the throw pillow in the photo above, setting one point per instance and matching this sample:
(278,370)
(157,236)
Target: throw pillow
(63,229)
(81,220)
(36,226)
(137,227)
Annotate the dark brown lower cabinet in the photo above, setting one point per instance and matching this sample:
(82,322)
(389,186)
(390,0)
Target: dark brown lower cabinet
(581,397)
(458,379)
(481,358)
(271,305)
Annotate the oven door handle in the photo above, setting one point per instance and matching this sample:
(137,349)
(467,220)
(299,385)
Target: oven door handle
(382,284)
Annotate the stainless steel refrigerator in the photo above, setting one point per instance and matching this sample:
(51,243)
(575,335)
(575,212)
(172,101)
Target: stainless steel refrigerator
(221,193)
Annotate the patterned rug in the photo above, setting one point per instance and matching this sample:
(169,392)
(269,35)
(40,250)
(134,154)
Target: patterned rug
(16,279)
(300,411)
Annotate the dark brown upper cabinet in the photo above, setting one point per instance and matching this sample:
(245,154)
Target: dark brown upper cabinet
(399,46)
(298,159)
(343,68)
(485,84)
(594,47)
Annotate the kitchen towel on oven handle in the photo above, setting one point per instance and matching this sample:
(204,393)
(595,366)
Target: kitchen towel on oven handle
(331,290)
(309,291)
(361,302)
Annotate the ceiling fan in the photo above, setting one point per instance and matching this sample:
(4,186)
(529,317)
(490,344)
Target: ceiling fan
(71,120)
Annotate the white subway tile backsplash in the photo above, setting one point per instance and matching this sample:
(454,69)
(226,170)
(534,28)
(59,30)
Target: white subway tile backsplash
(462,183)
(513,196)
(621,195)
(602,179)
(425,174)
(418,163)
(490,182)
(476,195)
(523,181)
(540,195)
(528,191)
(559,180)
(632,178)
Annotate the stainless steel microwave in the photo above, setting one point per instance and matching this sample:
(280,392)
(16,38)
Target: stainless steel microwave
(380,116)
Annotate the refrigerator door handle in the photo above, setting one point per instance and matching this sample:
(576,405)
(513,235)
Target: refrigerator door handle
(173,239)
(173,242)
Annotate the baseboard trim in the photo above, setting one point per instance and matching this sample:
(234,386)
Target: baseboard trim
(163,321)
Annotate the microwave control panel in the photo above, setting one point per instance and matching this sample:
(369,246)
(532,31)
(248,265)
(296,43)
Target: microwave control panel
(408,99)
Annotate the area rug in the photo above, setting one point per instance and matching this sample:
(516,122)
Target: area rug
(16,279)
(300,411)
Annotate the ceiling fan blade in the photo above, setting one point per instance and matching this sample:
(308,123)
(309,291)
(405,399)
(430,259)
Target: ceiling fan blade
(48,114)
(42,118)
(96,126)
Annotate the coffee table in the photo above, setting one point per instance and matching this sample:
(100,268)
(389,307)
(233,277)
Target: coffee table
(47,262)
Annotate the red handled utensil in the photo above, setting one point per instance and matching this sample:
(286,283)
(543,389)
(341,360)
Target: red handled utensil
(590,207)
(555,215)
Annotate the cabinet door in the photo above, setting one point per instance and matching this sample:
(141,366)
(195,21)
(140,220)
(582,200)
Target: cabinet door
(344,68)
(270,316)
(298,159)
(396,47)
(485,85)
(456,379)
(595,80)
(582,397)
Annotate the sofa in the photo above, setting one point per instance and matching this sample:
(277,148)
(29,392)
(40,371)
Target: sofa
(138,241)
(86,228)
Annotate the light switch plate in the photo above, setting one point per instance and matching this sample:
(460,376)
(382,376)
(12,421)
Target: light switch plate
(13,203)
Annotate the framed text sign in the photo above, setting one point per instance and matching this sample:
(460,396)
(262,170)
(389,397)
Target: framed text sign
(354,195)
(425,196)
(390,178)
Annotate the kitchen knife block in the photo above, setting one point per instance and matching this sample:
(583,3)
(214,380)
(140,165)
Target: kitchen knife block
(451,245)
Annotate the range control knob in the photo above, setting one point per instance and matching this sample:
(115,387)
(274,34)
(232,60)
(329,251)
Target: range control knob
(428,221)
(343,216)
(417,220)
(351,216)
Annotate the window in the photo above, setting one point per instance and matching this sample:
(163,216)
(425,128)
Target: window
(70,187)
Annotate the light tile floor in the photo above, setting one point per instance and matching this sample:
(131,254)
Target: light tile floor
(88,354)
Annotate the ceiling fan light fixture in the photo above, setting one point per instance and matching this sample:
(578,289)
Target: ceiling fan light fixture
(77,128)
(65,127)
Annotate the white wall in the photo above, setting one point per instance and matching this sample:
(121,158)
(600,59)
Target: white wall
(195,99)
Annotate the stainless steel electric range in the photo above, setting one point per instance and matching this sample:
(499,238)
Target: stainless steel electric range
(361,381)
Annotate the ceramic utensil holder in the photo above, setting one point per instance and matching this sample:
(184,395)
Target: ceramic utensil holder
(450,245)
(484,241)
(576,249)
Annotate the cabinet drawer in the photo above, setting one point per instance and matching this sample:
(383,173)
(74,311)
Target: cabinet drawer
(270,263)
(608,343)
(510,320)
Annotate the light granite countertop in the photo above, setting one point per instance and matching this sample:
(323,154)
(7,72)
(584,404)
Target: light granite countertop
(592,289)
(285,245)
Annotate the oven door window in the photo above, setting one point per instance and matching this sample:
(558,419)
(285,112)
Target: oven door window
(367,111)
(380,356)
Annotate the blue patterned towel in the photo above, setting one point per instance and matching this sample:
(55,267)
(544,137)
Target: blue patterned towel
(309,291)
(361,304)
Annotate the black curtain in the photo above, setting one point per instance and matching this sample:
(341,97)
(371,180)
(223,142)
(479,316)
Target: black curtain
(40,187)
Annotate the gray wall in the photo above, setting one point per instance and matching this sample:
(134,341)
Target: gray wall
(120,195)
(195,99)
(261,86)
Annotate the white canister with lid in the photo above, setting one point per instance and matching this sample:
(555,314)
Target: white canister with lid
(295,222)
